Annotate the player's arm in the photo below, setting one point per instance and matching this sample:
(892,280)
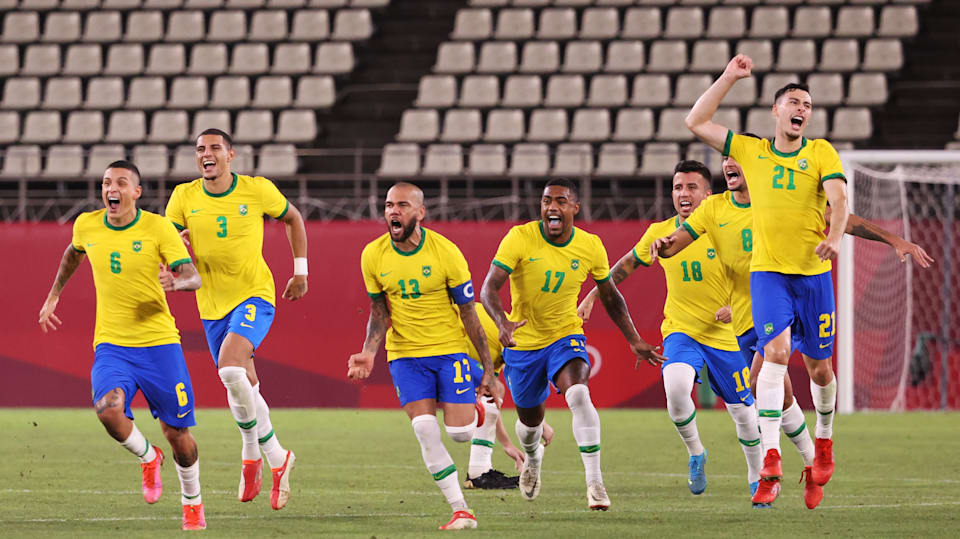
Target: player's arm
(836,190)
(508,447)
(863,228)
(672,244)
(183,276)
(490,299)
(297,234)
(359,365)
(69,263)
(471,323)
(700,118)
(620,271)
(617,309)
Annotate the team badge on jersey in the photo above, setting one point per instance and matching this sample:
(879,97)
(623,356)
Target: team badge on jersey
(711,253)
(574,264)
(137,245)
(802,163)
(426,271)
(243,209)
(768,328)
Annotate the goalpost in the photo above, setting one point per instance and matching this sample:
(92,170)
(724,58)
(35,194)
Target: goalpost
(898,347)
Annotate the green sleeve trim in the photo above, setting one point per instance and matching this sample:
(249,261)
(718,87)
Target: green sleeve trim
(727,143)
(689,229)
(485,443)
(284,212)
(375,295)
(77,250)
(445,472)
(503,266)
(638,259)
(605,279)
(687,420)
(178,226)
(182,261)
(834,176)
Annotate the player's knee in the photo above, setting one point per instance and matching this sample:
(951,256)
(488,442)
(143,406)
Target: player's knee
(232,375)
(776,354)
(461,434)
(426,429)
(577,395)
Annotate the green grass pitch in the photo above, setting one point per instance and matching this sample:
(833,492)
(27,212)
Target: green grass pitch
(359,473)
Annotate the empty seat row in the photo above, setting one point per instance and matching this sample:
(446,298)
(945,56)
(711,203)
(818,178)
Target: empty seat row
(166,126)
(126,5)
(186,26)
(107,93)
(171,59)
(682,23)
(667,56)
(153,160)
(584,3)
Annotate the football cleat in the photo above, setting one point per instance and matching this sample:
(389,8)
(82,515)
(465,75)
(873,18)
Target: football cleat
(772,469)
(822,461)
(152,485)
(280,493)
(492,479)
(698,476)
(461,520)
(766,493)
(250,477)
(753,490)
(812,492)
(597,498)
(193,518)
(530,476)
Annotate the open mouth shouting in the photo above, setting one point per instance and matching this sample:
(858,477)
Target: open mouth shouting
(113,203)
(796,122)
(209,167)
(554,223)
(396,227)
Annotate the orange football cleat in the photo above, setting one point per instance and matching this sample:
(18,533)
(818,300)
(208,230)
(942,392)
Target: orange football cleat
(812,492)
(152,481)
(280,493)
(193,518)
(822,461)
(461,520)
(250,479)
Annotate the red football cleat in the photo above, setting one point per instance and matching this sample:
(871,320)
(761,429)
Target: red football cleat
(771,466)
(193,518)
(280,493)
(250,478)
(461,520)
(481,413)
(767,491)
(152,482)
(812,492)
(823,461)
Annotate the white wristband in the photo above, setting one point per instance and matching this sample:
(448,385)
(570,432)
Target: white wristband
(300,265)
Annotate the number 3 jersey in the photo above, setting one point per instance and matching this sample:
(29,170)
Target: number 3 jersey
(131,305)
(421,287)
(697,286)
(545,281)
(226,234)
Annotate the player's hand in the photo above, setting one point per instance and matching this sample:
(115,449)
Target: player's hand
(547,435)
(517,456)
(506,332)
(828,248)
(296,288)
(658,244)
(586,307)
(488,387)
(646,352)
(724,315)
(185,236)
(920,257)
(360,365)
(167,279)
(48,320)
(739,67)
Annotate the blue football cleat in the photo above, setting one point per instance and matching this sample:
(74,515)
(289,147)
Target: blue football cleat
(698,477)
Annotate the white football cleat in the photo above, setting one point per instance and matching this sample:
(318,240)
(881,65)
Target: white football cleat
(597,498)
(530,475)
(461,520)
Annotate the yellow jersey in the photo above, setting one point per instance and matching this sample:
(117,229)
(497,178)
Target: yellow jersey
(226,233)
(419,286)
(493,339)
(545,281)
(729,225)
(697,287)
(131,305)
(786,192)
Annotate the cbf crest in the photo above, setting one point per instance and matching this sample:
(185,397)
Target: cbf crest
(137,245)
(711,254)
(802,163)
(575,264)
(243,209)
(426,271)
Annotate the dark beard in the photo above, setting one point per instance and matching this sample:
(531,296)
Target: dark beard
(407,232)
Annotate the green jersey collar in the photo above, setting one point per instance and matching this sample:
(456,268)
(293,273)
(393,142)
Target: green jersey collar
(564,244)
(225,193)
(124,227)
(423,239)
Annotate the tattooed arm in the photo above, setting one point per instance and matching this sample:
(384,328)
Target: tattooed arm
(863,228)
(69,263)
(359,365)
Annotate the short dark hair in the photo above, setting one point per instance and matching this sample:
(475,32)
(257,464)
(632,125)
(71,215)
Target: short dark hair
(689,165)
(787,88)
(565,182)
(122,163)
(221,132)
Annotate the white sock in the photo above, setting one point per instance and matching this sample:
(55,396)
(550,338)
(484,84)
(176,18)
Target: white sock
(586,430)
(481,448)
(824,401)
(795,427)
(678,381)
(137,444)
(770,403)
(189,483)
(269,443)
(529,438)
(437,460)
(243,405)
(745,417)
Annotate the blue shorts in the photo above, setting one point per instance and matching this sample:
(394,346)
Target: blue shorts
(748,345)
(251,319)
(729,374)
(803,303)
(532,371)
(446,378)
(160,372)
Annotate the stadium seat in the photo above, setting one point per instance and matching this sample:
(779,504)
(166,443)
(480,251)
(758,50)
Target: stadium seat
(488,3)
(82,5)
(84,127)
(147,93)
(659,159)
(102,27)
(607,91)
(514,23)
(155,4)
(184,162)
(667,57)
(244,4)
(612,2)
(64,161)
(327,3)
(21,93)
(772,83)
(277,160)
(690,88)
(547,125)
(812,22)
(101,155)
(522,91)
(144,27)
(188,93)
(882,55)
(770,22)
(21,161)
(461,125)
(334,58)
(208,59)
(472,24)
(243,160)
(573,159)
(61,27)
(203,4)
(817,124)
(230,93)
(698,151)
(726,22)
(898,21)
(565,91)
(399,160)
(170,126)
(443,160)
(684,23)
(529,160)
(454,57)
(582,57)
(641,23)
(796,55)
(124,59)
(9,60)
(127,126)
(854,21)
(671,125)
(153,160)
(532,3)
(599,23)
(852,123)
(41,127)
(254,126)
(352,25)
(436,91)
(480,91)
(867,89)
(729,118)
(268,26)
(41,60)
(297,125)
(504,125)
(825,88)
(21,27)
(650,91)
(497,57)
(227,26)
(760,51)
(86,59)
(710,56)
(186,27)
(166,59)
(274,92)
(557,23)
(634,125)
(617,159)
(624,57)
(288,58)
(590,125)
(104,93)
(743,93)
(488,160)
(310,25)
(419,126)
(62,93)
(38,5)
(839,55)
(540,57)
(760,121)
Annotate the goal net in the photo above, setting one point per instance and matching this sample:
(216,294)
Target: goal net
(898,346)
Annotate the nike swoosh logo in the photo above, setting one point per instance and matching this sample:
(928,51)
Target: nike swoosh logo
(535,259)
(385,274)
(245,325)
(721,225)
(195,211)
(462,391)
(761,157)
(825,345)
(181,416)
